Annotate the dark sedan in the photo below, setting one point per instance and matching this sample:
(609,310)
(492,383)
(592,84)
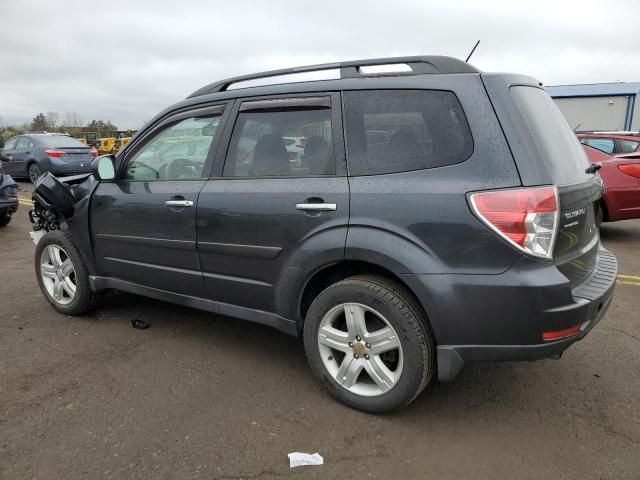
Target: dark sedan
(32,154)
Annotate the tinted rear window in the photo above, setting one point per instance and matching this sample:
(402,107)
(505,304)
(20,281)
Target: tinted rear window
(560,149)
(59,141)
(389,131)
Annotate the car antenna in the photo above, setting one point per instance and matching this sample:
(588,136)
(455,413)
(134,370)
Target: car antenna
(576,128)
(472,50)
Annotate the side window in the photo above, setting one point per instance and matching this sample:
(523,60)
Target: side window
(294,142)
(11,143)
(603,144)
(390,131)
(23,142)
(177,152)
(627,146)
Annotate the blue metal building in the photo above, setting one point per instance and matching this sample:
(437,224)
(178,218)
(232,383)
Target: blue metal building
(599,106)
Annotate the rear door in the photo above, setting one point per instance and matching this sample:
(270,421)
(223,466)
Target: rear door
(19,156)
(144,223)
(274,206)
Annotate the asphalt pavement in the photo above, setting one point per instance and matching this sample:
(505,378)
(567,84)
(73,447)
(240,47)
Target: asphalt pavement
(199,396)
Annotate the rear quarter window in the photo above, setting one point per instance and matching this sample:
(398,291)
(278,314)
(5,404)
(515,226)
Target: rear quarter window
(561,152)
(391,131)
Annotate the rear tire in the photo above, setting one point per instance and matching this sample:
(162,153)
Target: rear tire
(383,364)
(33,171)
(62,274)
(5,218)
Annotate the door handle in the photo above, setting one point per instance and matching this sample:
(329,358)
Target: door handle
(316,207)
(179,203)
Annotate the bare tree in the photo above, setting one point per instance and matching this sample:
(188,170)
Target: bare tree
(72,119)
(72,124)
(52,120)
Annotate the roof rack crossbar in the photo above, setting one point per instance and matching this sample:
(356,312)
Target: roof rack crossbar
(351,69)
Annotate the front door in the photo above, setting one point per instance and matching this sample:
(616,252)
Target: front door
(281,197)
(143,223)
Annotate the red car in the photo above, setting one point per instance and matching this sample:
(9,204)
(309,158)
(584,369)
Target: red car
(621,177)
(612,142)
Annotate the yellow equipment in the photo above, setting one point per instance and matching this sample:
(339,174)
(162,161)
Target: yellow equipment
(106,145)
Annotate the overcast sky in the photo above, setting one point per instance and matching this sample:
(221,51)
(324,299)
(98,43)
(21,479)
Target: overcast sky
(128,62)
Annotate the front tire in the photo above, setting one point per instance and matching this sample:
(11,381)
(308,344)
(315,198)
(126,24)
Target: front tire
(62,274)
(368,342)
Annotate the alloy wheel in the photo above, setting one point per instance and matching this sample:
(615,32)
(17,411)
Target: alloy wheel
(58,274)
(360,349)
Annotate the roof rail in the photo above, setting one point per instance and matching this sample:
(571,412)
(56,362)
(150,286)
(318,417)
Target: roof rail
(351,69)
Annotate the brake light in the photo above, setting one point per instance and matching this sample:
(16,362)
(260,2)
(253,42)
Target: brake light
(54,153)
(94,152)
(632,169)
(525,217)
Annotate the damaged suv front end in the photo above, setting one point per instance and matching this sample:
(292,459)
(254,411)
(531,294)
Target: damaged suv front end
(8,197)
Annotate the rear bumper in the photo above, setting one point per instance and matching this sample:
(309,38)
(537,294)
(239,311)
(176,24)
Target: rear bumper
(8,206)
(60,169)
(503,317)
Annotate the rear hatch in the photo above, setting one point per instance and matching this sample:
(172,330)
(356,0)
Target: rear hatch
(564,164)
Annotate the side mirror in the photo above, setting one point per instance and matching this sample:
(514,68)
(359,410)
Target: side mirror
(104,168)
(1,143)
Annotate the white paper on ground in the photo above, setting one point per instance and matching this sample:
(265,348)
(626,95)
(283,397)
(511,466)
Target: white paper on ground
(298,459)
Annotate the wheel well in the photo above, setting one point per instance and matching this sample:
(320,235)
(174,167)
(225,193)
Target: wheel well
(334,273)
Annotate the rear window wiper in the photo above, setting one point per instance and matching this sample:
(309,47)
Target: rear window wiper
(593,168)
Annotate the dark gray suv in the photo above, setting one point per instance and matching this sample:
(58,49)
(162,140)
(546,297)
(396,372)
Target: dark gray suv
(403,222)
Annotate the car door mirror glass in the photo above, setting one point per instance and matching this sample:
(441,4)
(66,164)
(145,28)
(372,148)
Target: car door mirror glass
(104,168)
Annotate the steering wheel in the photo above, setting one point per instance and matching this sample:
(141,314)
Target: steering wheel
(138,163)
(181,167)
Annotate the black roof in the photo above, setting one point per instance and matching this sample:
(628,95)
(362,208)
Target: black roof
(351,69)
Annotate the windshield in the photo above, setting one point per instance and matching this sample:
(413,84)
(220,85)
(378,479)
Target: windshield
(59,141)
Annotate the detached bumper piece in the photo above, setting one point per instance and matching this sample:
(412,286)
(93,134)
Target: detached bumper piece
(591,300)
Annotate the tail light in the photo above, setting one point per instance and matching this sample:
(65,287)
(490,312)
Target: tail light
(54,153)
(525,217)
(94,152)
(632,169)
